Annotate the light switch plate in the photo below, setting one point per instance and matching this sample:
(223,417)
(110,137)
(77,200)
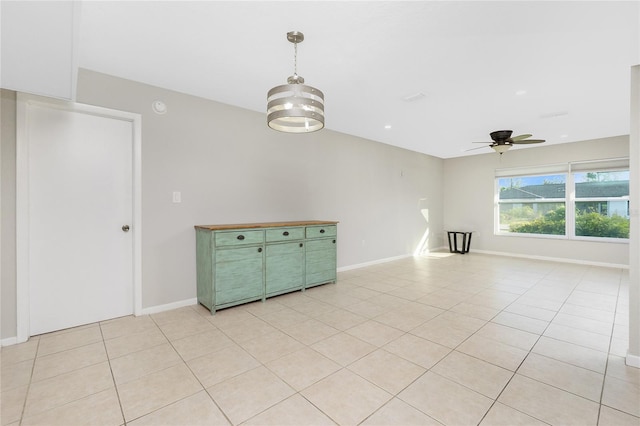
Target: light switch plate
(177,197)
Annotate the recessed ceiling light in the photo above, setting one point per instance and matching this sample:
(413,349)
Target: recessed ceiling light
(388,126)
(521,92)
(564,136)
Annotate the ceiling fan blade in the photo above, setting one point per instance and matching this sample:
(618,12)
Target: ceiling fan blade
(520,137)
(473,149)
(529,141)
(483,142)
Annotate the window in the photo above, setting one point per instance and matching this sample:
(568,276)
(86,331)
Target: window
(578,200)
(532,204)
(602,204)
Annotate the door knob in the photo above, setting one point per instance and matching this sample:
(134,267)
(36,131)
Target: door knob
(125,228)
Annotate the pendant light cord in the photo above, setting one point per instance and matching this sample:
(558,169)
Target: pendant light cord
(295,59)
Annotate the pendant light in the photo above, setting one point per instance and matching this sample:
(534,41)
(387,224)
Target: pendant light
(295,107)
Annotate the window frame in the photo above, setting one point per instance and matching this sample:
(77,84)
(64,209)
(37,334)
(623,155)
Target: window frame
(497,203)
(576,200)
(570,201)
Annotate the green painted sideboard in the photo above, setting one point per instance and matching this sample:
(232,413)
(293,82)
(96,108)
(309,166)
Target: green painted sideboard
(242,263)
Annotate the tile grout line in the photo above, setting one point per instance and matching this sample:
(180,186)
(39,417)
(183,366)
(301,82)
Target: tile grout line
(530,351)
(204,389)
(606,366)
(113,379)
(428,369)
(37,356)
(168,341)
(296,392)
(26,396)
(308,346)
(451,350)
(346,367)
(521,362)
(474,333)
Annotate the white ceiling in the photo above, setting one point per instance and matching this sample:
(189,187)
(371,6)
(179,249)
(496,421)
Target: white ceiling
(469,58)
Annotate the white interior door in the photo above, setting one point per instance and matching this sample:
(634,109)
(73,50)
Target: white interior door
(80,261)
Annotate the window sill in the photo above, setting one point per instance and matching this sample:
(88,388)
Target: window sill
(564,237)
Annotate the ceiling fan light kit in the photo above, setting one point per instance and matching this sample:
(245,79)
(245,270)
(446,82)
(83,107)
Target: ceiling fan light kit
(501,148)
(295,107)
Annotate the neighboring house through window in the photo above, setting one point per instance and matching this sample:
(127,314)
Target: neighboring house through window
(575,200)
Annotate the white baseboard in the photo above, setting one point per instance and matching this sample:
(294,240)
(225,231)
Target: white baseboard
(633,360)
(493,253)
(554,259)
(373,262)
(169,306)
(9,341)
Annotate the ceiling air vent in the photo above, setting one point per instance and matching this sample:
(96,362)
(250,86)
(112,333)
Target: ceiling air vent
(414,97)
(554,114)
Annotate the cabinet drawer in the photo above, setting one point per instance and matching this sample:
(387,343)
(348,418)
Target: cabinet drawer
(326,245)
(237,238)
(284,234)
(321,231)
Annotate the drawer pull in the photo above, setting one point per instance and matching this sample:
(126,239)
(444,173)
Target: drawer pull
(241,237)
(259,249)
(301,244)
(334,241)
(285,233)
(322,231)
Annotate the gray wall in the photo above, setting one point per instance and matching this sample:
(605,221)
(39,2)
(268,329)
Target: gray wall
(469,192)
(231,168)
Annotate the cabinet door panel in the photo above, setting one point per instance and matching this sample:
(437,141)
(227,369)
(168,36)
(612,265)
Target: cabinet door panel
(320,261)
(318,274)
(238,275)
(284,267)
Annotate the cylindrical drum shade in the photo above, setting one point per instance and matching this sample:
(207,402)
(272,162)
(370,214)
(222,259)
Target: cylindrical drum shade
(295,108)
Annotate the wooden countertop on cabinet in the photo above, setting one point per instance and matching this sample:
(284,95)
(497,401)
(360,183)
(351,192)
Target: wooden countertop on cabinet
(266,225)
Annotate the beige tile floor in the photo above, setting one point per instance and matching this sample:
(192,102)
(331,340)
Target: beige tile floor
(443,339)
